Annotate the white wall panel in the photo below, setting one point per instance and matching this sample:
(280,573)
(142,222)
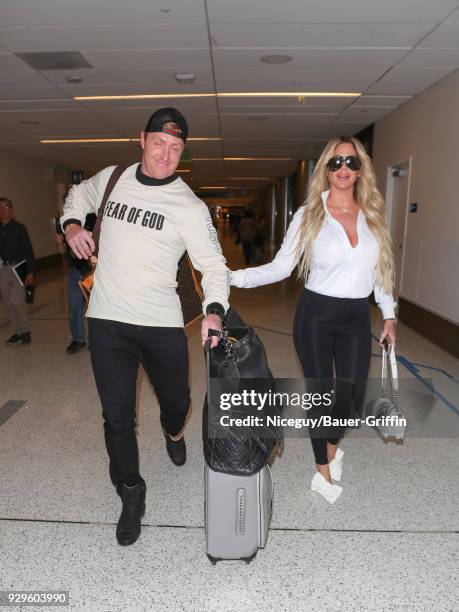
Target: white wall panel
(427,129)
(411,267)
(438,279)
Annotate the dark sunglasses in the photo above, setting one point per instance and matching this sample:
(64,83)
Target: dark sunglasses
(352,162)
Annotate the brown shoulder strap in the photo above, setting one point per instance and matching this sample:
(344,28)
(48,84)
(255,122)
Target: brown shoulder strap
(115,175)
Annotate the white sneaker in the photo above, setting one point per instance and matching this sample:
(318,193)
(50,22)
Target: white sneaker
(336,466)
(330,491)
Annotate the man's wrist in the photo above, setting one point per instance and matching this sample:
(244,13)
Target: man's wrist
(216,309)
(70,222)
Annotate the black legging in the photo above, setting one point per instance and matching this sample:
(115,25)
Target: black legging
(328,329)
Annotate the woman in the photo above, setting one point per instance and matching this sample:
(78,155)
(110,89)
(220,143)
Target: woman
(340,242)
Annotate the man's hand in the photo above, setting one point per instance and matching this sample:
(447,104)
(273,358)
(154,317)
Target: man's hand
(80,241)
(211,321)
(29,280)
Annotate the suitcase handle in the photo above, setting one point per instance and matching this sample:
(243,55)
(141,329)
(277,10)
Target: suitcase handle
(207,358)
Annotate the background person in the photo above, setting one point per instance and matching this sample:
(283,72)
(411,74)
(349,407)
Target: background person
(76,269)
(259,240)
(341,244)
(15,247)
(247,229)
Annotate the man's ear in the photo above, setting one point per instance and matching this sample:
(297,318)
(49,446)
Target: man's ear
(142,139)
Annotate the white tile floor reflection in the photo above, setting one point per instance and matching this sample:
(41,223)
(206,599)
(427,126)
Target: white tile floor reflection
(389,543)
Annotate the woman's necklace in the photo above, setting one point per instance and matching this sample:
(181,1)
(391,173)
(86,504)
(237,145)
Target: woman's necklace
(343,209)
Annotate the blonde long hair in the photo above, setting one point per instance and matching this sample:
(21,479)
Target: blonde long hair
(367,198)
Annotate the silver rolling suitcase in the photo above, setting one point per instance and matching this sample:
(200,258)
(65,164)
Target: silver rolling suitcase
(237,477)
(238,512)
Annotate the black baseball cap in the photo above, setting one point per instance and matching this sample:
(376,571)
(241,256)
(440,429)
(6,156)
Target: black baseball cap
(166,115)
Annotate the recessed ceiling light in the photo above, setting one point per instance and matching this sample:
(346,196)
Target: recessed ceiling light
(202,139)
(215,159)
(83,140)
(275,59)
(73,78)
(185,78)
(257,158)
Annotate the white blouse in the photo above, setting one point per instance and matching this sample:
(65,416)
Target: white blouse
(337,269)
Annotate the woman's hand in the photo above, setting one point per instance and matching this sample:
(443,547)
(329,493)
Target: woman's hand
(388,333)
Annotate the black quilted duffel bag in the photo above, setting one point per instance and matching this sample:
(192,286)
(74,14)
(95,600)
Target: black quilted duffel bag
(236,365)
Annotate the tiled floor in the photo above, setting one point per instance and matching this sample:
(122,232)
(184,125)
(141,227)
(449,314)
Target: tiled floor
(389,543)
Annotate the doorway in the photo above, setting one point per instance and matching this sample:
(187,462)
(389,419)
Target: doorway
(398,184)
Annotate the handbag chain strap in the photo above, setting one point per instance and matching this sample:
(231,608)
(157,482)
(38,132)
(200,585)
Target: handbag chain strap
(390,388)
(228,346)
(225,340)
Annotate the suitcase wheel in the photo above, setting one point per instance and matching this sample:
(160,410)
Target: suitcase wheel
(249,559)
(213,560)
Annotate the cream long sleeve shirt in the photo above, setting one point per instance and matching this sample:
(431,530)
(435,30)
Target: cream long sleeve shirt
(337,269)
(144,233)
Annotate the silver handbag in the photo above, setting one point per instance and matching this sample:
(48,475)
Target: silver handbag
(388,418)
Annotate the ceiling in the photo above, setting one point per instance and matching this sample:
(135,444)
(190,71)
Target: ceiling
(388,51)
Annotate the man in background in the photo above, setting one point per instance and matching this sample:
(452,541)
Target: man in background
(76,270)
(16,271)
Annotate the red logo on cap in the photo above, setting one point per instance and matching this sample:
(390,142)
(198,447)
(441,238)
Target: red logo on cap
(171,131)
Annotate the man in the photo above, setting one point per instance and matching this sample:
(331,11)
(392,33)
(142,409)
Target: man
(150,219)
(16,270)
(247,235)
(76,270)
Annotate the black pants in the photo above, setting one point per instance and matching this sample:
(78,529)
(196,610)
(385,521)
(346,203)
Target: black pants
(331,330)
(117,349)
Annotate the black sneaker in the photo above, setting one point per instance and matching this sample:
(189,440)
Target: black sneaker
(176,449)
(26,338)
(15,338)
(129,524)
(74,347)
